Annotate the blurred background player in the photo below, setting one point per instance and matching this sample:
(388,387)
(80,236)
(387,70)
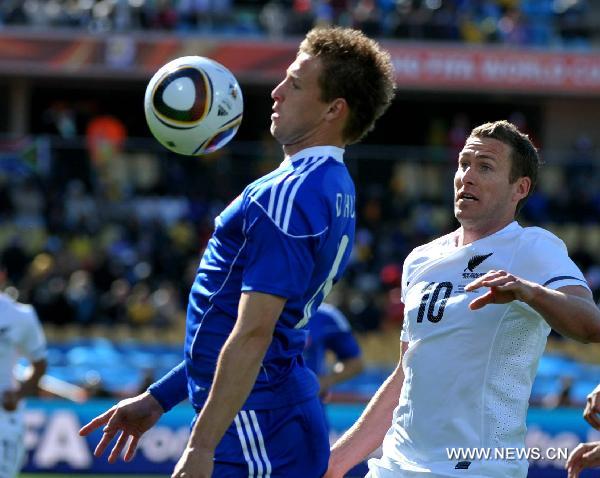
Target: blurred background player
(329,331)
(21,336)
(276,251)
(479,305)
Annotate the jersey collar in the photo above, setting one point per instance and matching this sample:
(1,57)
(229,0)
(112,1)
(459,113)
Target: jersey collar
(316,151)
(508,228)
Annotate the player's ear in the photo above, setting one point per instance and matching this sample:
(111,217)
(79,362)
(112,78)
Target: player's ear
(337,108)
(523,187)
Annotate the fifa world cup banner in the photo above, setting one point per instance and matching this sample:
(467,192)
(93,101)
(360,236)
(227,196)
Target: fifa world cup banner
(54,446)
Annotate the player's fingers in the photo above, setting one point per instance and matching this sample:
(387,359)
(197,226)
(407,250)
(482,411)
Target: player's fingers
(481,301)
(131,448)
(593,419)
(591,457)
(118,448)
(574,472)
(501,281)
(107,437)
(477,283)
(96,422)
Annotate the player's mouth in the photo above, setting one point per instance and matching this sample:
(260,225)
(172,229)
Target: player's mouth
(466,197)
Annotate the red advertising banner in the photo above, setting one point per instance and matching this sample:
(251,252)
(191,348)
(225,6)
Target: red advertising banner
(496,69)
(427,67)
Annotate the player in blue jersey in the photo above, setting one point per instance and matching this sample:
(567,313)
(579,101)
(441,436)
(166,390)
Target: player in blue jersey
(329,330)
(275,253)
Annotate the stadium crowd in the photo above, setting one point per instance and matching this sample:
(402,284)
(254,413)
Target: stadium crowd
(513,22)
(117,240)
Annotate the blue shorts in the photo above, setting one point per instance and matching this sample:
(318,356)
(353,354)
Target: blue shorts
(289,442)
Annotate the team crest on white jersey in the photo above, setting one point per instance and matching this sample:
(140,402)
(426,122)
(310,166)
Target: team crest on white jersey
(473,263)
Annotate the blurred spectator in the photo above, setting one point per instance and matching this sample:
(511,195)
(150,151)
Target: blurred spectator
(535,22)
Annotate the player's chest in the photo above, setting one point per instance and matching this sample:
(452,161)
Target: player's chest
(436,301)
(8,337)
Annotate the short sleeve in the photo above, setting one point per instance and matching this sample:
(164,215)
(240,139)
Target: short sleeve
(343,345)
(32,340)
(544,259)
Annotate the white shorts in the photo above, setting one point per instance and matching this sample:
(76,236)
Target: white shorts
(12,446)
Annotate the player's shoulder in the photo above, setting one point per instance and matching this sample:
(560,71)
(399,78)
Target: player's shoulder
(302,173)
(334,316)
(295,192)
(11,306)
(539,238)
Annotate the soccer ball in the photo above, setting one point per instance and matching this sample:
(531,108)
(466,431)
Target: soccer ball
(193,105)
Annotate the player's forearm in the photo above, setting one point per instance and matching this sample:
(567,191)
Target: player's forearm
(30,385)
(342,371)
(571,315)
(237,369)
(367,434)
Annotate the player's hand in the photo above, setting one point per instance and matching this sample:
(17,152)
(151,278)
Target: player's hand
(503,288)
(334,467)
(132,418)
(586,455)
(592,408)
(194,463)
(10,400)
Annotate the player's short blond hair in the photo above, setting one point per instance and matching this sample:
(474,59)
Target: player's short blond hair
(355,68)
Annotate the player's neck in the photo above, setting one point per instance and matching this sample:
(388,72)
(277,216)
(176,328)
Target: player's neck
(468,234)
(321,137)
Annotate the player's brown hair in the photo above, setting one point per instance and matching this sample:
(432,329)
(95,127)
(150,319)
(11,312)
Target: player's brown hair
(355,68)
(524,157)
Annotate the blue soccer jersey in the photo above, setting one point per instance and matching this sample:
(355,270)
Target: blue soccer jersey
(329,330)
(290,234)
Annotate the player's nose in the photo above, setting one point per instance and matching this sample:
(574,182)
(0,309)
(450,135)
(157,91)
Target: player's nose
(277,92)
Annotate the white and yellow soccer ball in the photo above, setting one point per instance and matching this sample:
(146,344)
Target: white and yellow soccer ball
(193,105)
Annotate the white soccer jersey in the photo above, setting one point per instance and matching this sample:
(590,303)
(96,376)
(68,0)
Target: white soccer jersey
(468,374)
(21,335)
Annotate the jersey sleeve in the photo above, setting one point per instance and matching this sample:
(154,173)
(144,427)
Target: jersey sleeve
(282,242)
(544,259)
(338,335)
(33,341)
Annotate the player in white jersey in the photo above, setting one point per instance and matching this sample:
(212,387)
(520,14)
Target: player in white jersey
(479,304)
(21,335)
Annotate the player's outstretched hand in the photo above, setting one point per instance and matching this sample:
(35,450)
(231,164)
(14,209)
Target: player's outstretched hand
(592,408)
(586,455)
(503,288)
(132,418)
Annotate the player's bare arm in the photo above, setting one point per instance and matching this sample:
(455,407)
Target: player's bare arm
(367,434)
(343,370)
(237,369)
(569,310)
(11,398)
(592,408)
(131,418)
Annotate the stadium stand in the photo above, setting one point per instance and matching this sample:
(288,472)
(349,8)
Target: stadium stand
(103,238)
